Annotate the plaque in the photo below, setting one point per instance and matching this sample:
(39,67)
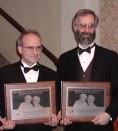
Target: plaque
(82,101)
(30,102)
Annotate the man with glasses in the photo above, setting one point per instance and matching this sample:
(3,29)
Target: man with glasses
(80,104)
(29,47)
(89,62)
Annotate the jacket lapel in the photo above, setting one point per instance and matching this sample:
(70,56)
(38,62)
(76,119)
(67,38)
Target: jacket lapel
(19,72)
(98,63)
(75,66)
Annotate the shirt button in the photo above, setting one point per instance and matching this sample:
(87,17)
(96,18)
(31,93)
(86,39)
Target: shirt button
(83,75)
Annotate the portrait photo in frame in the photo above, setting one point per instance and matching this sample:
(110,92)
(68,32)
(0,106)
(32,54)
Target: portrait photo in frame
(27,103)
(82,101)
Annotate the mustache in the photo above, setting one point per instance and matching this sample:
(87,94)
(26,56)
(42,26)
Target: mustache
(84,33)
(80,38)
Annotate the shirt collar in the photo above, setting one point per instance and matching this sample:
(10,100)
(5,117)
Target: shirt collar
(25,65)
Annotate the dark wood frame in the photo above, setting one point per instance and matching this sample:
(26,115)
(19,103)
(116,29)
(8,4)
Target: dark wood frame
(66,85)
(11,88)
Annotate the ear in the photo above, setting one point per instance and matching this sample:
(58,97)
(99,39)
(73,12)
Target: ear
(19,49)
(75,27)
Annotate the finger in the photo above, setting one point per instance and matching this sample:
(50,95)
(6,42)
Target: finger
(95,119)
(59,115)
(54,121)
(3,120)
(49,121)
(11,124)
(1,128)
(66,121)
(62,122)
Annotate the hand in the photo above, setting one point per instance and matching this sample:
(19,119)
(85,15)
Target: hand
(53,121)
(65,121)
(59,115)
(101,119)
(6,124)
(2,120)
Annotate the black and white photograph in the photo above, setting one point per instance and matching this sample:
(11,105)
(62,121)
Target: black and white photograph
(82,101)
(85,102)
(30,102)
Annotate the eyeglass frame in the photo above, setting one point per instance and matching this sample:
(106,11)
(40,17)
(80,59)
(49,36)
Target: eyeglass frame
(91,26)
(31,48)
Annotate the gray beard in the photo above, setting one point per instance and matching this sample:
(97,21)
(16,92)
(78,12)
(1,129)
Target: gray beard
(85,41)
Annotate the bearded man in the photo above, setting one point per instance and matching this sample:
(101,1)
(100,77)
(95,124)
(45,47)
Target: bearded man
(89,62)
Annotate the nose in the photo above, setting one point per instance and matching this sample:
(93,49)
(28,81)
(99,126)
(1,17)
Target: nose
(35,50)
(87,29)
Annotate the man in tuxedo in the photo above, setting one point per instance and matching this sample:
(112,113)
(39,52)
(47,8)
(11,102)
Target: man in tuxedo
(29,46)
(89,62)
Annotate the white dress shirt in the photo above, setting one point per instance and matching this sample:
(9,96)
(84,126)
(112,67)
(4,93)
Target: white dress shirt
(85,58)
(31,76)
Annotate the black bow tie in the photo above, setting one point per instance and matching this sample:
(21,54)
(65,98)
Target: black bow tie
(80,50)
(27,69)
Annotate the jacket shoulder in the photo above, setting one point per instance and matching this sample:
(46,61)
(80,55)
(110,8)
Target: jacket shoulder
(106,51)
(45,68)
(9,67)
(70,53)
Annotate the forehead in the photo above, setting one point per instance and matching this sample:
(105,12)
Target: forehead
(87,19)
(31,40)
(36,98)
(28,97)
(90,97)
(83,95)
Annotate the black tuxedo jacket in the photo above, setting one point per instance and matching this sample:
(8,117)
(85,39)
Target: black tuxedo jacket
(104,69)
(13,74)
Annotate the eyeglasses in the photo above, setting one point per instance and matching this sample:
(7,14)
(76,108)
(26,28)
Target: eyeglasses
(84,26)
(32,48)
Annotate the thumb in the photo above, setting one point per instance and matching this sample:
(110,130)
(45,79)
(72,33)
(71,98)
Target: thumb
(2,120)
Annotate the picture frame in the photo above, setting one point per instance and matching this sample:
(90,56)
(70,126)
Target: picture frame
(21,102)
(82,101)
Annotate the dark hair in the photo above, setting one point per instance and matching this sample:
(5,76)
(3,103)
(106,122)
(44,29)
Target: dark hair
(83,12)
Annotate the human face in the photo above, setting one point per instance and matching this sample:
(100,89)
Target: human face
(86,30)
(83,97)
(30,49)
(28,98)
(91,100)
(36,100)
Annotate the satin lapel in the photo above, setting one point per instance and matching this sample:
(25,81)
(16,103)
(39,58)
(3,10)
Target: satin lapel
(75,65)
(98,63)
(40,78)
(19,73)
(78,67)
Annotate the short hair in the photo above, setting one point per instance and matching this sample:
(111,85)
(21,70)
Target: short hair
(91,97)
(27,96)
(36,98)
(83,95)
(84,12)
(26,32)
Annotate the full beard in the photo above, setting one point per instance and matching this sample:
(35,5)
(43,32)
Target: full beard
(85,40)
